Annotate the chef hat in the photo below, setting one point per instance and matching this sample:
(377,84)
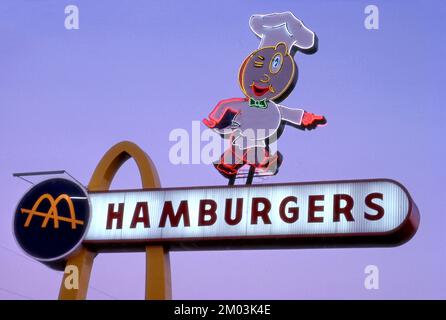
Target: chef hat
(283,27)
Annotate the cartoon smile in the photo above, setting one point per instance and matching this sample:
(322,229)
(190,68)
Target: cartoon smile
(261,90)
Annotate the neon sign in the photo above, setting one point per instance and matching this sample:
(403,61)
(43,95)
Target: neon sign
(266,77)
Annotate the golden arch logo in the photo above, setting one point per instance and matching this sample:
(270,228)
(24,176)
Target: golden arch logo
(51,220)
(52,213)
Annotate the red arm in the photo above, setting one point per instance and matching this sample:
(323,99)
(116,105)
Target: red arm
(221,110)
(300,118)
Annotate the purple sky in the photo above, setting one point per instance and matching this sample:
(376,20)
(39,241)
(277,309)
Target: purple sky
(136,71)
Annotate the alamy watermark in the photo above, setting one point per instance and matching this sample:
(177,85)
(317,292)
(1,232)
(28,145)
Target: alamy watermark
(199,146)
(71,17)
(371,21)
(371,281)
(71,281)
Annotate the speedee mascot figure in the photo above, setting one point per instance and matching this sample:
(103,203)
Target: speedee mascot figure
(266,77)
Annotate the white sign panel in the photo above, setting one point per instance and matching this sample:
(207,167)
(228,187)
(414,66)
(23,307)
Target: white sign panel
(361,211)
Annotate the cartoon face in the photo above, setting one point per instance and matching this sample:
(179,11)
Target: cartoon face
(268,73)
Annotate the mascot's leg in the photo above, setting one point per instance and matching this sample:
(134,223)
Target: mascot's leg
(261,159)
(230,162)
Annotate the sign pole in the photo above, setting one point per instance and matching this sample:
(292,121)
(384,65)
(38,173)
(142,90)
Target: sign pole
(158,280)
(83,260)
(157,257)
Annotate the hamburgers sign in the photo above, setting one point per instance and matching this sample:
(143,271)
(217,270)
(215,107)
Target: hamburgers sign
(363,212)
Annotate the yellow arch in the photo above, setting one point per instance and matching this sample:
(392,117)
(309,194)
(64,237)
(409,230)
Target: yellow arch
(157,257)
(115,158)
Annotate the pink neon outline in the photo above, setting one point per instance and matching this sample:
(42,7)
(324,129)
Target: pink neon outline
(217,107)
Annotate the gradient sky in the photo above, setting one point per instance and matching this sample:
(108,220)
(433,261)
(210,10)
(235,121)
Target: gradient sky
(136,70)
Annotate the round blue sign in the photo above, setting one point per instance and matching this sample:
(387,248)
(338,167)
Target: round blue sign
(51,219)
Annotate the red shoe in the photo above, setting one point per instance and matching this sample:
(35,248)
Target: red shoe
(226,170)
(271,164)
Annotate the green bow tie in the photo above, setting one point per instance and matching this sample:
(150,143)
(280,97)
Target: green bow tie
(262,104)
